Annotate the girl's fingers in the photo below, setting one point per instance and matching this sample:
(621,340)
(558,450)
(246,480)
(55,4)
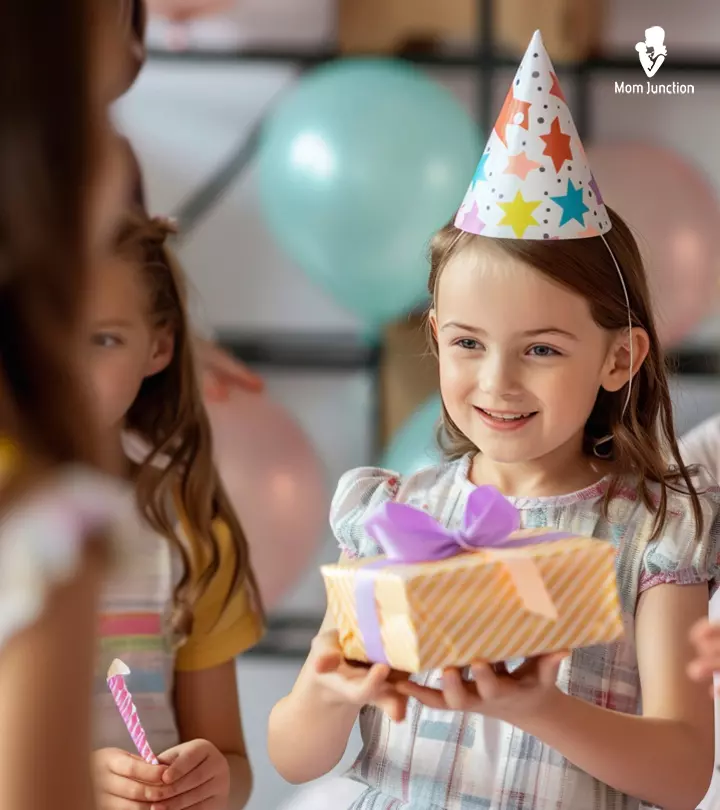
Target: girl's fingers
(703,630)
(703,668)
(486,681)
(135,768)
(374,681)
(361,686)
(327,652)
(119,787)
(549,667)
(708,649)
(192,797)
(454,690)
(110,802)
(328,662)
(394,706)
(432,698)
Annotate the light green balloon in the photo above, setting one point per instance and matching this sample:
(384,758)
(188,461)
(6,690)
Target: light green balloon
(358,166)
(415,446)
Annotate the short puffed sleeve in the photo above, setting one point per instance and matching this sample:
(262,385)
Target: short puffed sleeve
(680,555)
(359,492)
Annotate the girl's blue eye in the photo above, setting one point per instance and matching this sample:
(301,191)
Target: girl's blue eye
(468,343)
(543,351)
(105,341)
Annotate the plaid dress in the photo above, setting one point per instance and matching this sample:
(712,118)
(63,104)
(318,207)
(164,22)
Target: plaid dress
(464,761)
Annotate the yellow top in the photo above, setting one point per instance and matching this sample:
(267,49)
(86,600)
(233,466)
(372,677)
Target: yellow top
(219,636)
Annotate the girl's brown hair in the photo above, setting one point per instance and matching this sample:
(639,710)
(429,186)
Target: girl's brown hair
(50,141)
(169,416)
(643,434)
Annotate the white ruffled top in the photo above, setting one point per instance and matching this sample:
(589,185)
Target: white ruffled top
(43,534)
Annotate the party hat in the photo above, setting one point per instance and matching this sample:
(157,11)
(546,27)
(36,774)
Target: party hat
(533,180)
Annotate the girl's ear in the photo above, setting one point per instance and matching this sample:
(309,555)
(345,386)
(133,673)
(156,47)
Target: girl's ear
(617,370)
(163,351)
(432,320)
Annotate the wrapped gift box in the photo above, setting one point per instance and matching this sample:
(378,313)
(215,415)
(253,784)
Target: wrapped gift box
(432,602)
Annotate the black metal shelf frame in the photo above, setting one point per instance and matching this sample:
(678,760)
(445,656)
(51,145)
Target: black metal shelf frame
(345,352)
(686,63)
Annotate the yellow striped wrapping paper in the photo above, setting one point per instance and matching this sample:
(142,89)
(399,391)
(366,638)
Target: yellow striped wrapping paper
(471,607)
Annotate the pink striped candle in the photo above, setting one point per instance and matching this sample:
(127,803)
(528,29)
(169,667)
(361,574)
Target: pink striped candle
(128,712)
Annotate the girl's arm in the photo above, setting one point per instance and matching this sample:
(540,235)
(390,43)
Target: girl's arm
(207,708)
(664,757)
(45,686)
(308,731)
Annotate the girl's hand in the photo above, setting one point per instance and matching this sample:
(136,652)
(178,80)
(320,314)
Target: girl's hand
(198,777)
(706,639)
(125,781)
(356,684)
(501,695)
(221,372)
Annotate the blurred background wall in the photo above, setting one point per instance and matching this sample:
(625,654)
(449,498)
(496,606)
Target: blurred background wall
(217,68)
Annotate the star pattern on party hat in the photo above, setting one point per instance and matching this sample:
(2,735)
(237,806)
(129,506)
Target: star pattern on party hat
(572,204)
(472,222)
(557,145)
(533,180)
(521,165)
(519,213)
(556,90)
(515,112)
(480,171)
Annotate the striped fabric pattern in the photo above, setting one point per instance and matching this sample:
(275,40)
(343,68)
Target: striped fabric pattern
(134,627)
(439,760)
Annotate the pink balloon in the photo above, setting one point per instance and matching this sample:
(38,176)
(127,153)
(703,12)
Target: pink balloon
(276,484)
(674,215)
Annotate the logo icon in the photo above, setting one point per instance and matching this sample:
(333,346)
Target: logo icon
(652,51)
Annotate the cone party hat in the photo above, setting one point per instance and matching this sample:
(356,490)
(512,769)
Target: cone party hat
(533,180)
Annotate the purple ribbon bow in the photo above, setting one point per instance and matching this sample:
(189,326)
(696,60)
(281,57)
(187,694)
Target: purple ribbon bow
(409,535)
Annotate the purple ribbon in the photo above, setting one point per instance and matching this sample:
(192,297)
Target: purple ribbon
(409,535)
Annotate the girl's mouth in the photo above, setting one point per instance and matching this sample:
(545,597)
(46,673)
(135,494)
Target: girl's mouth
(505,420)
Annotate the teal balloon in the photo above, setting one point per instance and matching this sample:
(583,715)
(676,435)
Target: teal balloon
(358,166)
(415,445)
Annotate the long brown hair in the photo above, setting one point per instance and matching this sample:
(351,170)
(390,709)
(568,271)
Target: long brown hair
(169,416)
(50,140)
(643,435)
